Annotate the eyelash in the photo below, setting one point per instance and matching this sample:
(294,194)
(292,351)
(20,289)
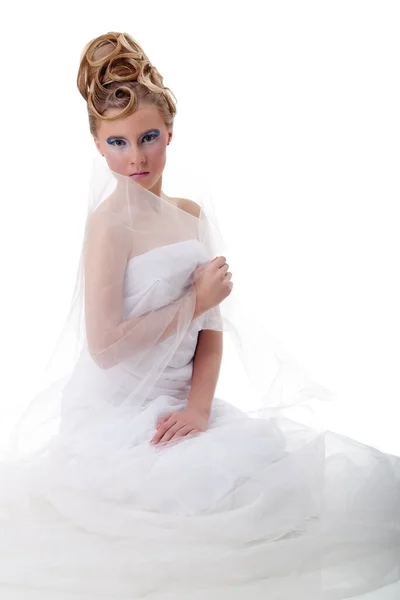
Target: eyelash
(113,142)
(153,135)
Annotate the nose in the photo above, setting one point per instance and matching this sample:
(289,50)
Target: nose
(138,156)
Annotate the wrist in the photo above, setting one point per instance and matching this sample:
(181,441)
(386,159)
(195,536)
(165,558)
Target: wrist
(199,308)
(203,411)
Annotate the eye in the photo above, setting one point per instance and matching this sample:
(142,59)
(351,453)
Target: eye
(149,135)
(116,142)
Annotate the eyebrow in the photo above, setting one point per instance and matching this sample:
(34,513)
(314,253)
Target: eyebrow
(139,136)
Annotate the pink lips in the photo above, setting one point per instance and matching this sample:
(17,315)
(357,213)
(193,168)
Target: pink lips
(139,175)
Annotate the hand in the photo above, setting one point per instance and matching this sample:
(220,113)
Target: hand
(213,285)
(179,424)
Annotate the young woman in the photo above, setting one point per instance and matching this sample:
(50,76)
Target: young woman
(151,487)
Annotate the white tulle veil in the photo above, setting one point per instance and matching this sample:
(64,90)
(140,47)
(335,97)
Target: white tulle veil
(274,381)
(72,456)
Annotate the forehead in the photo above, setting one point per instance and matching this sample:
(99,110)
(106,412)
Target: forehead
(141,120)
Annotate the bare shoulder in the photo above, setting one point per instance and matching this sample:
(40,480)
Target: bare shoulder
(105,228)
(189,206)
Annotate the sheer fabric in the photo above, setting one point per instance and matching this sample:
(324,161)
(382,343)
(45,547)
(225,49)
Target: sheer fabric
(261,504)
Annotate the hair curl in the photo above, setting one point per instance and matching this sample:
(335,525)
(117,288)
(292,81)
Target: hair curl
(114,72)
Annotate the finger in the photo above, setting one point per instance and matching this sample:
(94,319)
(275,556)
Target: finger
(163,419)
(195,431)
(162,429)
(183,432)
(198,271)
(224,267)
(192,431)
(171,432)
(222,259)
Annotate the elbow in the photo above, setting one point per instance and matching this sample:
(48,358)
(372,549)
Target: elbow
(101,361)
(100,358)
(101,352)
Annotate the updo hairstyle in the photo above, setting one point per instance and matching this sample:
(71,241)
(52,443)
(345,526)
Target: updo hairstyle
(114,72)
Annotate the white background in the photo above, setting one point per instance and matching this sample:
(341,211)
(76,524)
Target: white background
(290,112)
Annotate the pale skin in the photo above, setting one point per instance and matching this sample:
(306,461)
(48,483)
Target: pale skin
(138,143)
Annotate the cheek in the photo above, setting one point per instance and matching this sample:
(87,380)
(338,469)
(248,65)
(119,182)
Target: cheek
(115,160)
(157,155)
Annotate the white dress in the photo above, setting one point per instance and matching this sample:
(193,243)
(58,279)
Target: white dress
(231,513)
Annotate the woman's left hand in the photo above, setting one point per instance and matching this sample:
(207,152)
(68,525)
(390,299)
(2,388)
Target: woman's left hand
(179,424)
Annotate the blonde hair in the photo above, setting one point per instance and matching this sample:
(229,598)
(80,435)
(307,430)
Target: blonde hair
(114,72)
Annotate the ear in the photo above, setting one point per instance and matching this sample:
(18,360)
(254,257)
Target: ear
(169,137)
(97,143)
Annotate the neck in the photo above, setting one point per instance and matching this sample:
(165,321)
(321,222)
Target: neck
(156,188)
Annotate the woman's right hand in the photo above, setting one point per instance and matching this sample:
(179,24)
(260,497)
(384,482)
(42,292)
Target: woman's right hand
(213,285)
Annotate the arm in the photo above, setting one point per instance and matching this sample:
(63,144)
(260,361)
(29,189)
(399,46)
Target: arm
(111,338)
(143,332)
(206,368)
